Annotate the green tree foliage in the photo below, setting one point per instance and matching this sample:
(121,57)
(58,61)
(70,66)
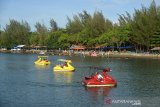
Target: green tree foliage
(74,26)
(53,38)
(84,28)
(53,24)
(42,33)
(142,26)
(1,39)
(16,33)
(141,29)
(155,39)
(63,41)
(34,39)
(99,25)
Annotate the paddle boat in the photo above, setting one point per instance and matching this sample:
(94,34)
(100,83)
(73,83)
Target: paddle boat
(41,52)
(42,60)
(98,80)
(66,66)
(94,54)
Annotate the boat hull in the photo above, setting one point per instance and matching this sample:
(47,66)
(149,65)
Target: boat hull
(42,60)
(66,69)
(105,82)
(102,85)
(42,63)
(63,70)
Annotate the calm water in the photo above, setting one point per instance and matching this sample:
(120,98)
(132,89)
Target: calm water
(22,84)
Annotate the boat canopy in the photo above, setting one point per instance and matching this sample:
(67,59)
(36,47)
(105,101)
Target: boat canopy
(42,56)
(64,60)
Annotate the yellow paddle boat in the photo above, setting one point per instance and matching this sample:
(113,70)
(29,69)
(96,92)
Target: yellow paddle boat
(42,60)
(66,66)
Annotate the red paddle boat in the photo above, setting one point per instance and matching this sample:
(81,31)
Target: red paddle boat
(98,80)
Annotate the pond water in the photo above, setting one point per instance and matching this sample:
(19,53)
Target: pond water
(22,84)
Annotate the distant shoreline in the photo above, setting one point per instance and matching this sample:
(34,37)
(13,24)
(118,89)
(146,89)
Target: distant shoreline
(87,53)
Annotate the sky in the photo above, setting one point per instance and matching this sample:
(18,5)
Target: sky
(42,11)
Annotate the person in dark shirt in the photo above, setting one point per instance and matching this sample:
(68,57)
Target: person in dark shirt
(104,72)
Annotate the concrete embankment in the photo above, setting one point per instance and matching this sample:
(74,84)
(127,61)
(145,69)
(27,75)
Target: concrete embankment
(87,53)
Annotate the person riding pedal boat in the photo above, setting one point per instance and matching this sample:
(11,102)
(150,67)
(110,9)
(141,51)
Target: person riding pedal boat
(105,72)
(98,76)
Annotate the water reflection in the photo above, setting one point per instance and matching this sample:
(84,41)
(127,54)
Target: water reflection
(40,67)
(98,92)
(63,76)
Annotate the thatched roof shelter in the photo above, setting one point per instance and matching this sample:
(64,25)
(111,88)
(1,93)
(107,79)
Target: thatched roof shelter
(156,49)
(77,47)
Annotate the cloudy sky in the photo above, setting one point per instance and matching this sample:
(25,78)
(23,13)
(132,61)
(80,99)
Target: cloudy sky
(42,11)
